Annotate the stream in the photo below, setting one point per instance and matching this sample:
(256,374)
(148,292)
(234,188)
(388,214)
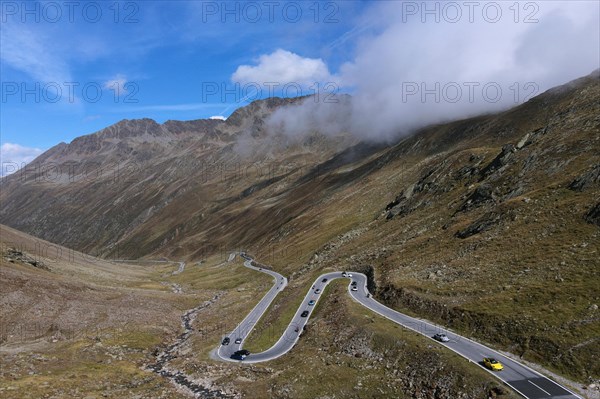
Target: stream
(181,380)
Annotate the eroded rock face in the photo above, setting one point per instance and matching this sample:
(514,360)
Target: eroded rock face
(485,223)
(500,161)
(593,216)
(484,193)
(587,180)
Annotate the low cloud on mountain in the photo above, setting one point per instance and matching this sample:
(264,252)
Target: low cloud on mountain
(413,71)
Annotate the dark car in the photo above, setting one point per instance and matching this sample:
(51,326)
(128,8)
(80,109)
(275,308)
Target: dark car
(240,355)
(304,314)
(354,283)
(226,341)
(324,280)
(238,341)
(311,302)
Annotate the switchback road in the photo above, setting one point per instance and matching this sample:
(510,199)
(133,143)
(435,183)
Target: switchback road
(524,380)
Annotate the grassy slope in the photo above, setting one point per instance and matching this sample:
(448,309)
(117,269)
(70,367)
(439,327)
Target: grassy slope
(526,285)
(90,334)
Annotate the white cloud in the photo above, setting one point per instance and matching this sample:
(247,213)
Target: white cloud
(117,85)
(503,54)
(15,156)
(408,55)
(283,67)
(219,117)
(26,50)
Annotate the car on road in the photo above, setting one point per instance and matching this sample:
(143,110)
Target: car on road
(324,280)
(354,283)
(304,314)
(353,288)
(318,291)
(492,364)
(441,337)
(311,302)
(238,340)
(226,341)
(241,354)
(344,274)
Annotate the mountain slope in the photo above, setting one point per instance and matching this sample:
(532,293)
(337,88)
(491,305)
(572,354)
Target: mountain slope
(486,228)
(488,225)
(93,193)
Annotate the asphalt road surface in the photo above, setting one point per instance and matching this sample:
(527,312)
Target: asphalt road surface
(247,325)
(521,378)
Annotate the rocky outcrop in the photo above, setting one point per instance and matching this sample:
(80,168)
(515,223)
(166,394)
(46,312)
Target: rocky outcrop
(501,161)
(589,179)
(15,256)
(483,194)
(407,202)
(257,110)
(471,169)
(479,226)
(593,216)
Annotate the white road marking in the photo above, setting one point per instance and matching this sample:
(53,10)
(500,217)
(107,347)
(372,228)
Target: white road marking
(542,389)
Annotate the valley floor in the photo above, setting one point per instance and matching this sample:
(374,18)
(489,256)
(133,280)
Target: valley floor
(95,336)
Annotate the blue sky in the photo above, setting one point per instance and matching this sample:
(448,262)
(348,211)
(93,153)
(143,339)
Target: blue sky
(162,60)
(73,68)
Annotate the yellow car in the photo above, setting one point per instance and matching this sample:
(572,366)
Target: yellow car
(492,364)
